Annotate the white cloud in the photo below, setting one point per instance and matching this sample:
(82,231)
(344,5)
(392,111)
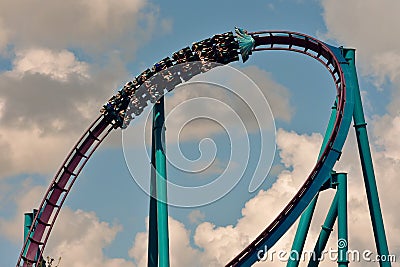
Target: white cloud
(57,65)
(367,25)
(183,111)
(232,104)
(386,130)
(386,166)
(277,95)
(222,243)
(299,152)
(370,27)
(219,244)
(47,100)
(93,25)
(79,238)
(50,96)
(3,37)
(33,152)
(181,253)
(25,199)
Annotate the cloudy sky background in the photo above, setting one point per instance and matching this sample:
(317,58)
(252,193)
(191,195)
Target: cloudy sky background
(60,61)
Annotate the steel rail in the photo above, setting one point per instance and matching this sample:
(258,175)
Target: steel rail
(58,190)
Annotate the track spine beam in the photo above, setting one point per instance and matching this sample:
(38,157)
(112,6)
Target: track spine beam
(51,203)
(56,186)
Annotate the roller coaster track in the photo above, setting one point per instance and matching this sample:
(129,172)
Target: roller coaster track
(144,88)
(336,64)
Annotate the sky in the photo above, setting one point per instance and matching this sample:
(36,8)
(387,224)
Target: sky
(61,61)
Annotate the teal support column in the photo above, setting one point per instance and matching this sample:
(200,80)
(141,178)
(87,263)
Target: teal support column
(152,249)
(367,166)
(326,230)
(305,219)
(342,220)
(28,219)
(161,183)
(301,234)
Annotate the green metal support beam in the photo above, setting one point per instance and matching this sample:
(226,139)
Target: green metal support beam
(301,234)
(161,183)
(326,230)
(342,220)
(28,219)
(367,166)
(305,220)
(152,249)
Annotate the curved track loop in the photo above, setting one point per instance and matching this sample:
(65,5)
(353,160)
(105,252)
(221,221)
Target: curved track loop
(59,189)
(332,59)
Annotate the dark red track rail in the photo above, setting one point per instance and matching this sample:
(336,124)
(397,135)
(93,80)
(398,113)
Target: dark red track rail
(60,187)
